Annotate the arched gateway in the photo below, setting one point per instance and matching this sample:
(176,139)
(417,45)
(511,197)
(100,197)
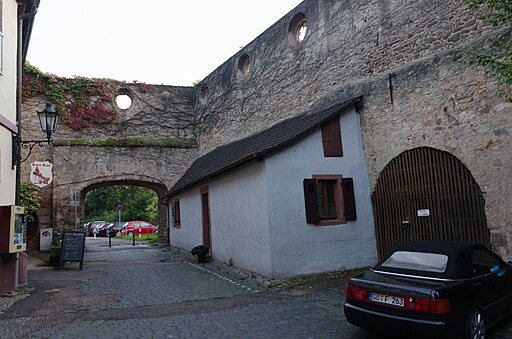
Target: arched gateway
(426,193)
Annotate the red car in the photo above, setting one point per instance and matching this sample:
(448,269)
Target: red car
(138,227)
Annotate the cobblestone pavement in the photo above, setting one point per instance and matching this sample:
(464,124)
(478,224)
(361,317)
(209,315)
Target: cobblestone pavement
(143,292)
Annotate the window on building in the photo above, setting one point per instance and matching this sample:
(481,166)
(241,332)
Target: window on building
(331,138)
(329,200)
(176,217)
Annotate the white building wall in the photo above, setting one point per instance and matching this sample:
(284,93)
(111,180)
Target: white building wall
(258,216)
(238,207)
(301,248)
(8,100)
(238,215)
(191,232)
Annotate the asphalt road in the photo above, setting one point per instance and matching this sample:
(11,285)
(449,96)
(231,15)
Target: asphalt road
(143,292)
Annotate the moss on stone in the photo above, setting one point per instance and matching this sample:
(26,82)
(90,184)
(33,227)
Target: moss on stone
(131,142)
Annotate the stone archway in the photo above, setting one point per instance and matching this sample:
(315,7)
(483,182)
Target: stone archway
(68,205)
(425,193)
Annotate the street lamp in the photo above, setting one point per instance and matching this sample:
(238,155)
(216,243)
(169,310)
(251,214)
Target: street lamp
(48,119)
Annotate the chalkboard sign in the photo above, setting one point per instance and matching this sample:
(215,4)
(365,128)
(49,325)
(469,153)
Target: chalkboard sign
(72,247)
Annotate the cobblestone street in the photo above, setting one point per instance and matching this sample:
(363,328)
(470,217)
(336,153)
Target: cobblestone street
(143,292)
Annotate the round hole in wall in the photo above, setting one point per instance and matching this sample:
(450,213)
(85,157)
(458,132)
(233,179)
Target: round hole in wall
(204,93)
(302,27)
(244,65)
(123,100)
(298,27)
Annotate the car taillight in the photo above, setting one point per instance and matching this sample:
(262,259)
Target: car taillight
(356,293)
(429,305)
(440,306)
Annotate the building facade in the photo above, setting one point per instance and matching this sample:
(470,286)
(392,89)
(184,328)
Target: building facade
(435,130)
(13,16)
(253,202)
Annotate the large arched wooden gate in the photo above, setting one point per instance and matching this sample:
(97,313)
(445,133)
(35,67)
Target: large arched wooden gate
(426,193)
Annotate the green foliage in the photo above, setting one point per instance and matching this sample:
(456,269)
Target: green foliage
(29,199)
(81,102)
(139,203)
(495,55)
(496,11)
(339,277)
(135,142)
(152,239)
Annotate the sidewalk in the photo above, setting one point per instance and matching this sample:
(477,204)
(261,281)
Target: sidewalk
(35,261)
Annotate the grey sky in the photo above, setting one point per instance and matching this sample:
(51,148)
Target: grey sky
(173,42)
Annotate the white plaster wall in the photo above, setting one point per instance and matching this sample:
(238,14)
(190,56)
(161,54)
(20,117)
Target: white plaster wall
(191,232)
(8,100)
(301,248)
(238,207)
(258,216)
(238,215)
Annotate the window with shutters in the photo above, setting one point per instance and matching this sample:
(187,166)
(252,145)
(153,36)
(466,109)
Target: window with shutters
(329,200)
(176,214)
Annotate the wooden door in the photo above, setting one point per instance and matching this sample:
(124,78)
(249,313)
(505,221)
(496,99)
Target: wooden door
(207,227)
(426,193)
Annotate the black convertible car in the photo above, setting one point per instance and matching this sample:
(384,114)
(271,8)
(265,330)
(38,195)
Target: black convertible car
(434,289)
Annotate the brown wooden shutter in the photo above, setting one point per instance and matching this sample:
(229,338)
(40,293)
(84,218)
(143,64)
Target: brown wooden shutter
(349,199)
(177,216)
(331,138)
(311,201)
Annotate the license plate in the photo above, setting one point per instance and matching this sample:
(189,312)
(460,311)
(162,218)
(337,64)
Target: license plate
(386,299)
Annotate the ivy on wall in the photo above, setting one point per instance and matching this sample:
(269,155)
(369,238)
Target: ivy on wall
(81,102)
(29,199)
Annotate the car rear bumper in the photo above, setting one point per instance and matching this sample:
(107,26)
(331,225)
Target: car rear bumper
(395,325)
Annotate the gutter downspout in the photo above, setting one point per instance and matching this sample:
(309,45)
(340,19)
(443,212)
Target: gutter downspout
(20,61)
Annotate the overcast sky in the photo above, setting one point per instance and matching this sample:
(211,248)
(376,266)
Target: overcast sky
(172,42)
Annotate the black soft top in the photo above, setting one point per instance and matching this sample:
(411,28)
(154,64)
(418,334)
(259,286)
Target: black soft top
(459,258)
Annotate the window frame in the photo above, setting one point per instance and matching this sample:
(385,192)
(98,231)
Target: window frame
(176,214)
(344,200)
(338,199)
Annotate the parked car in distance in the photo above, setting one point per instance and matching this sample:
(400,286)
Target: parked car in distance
(138,227)
(102,229)
(437,289)
(92,225)
(115,227)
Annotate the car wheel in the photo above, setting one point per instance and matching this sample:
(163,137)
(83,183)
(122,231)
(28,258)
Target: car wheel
(475,325)
(130,234)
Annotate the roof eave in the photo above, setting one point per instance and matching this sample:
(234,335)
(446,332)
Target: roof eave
(257,155)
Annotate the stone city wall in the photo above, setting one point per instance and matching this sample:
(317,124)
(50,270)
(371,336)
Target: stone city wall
(150,144)
(405,58)
(345,42)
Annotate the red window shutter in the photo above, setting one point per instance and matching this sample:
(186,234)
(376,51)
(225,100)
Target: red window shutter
(331,138)
(311,201)
(349,199)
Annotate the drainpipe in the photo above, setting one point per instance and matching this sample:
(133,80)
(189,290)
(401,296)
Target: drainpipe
(20,61)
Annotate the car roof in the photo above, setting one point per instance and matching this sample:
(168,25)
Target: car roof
(458,252)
